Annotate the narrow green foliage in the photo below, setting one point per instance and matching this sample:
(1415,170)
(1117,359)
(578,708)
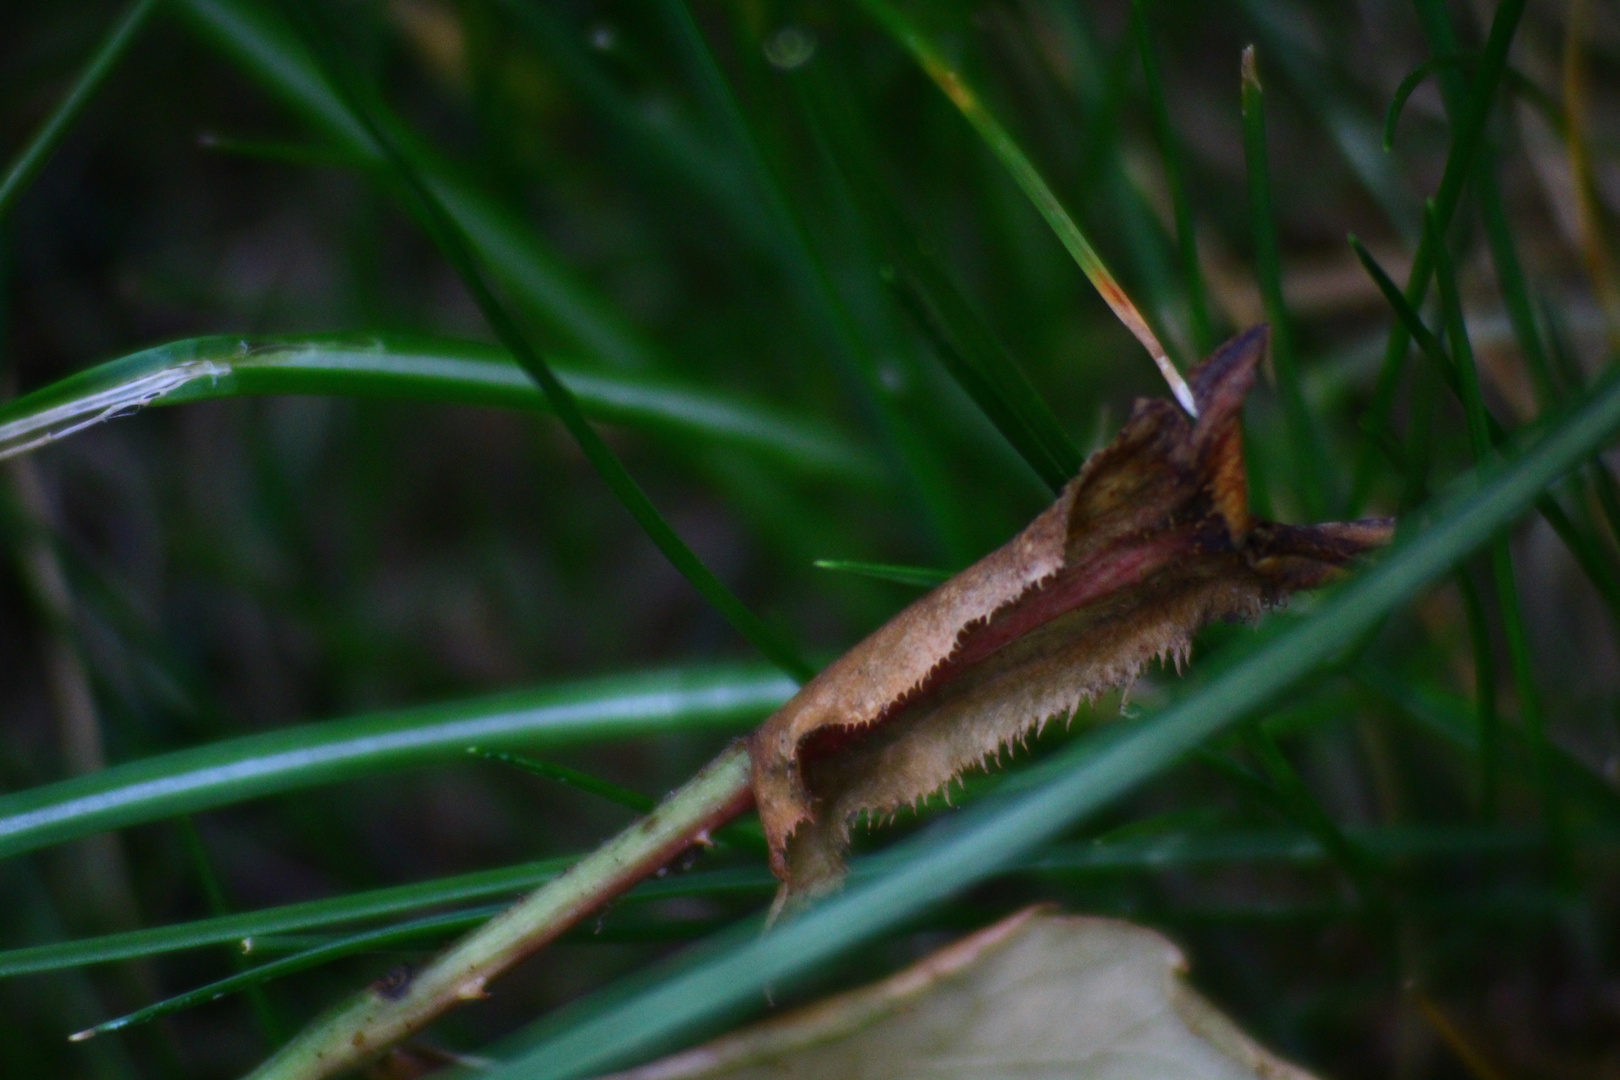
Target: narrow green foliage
(26,165)
(252,766)
(211,368)
(1598,568)
(1309,462)
(970,350)
(260,41)
(1490,733)
(826,307)
(1507,591)
(434,926)
(1164,132)
(921,576)
(1468,132)
(447,234)
(241,928)
(1307,811)
(1035,187)
(574,778)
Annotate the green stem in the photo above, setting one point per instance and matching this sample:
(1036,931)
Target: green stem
(1268,264)
(381,1016)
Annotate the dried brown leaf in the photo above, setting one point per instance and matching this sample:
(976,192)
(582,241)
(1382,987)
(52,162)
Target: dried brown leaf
(1151,541)
(1037,996)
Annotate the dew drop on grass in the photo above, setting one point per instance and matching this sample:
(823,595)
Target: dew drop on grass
(790,47)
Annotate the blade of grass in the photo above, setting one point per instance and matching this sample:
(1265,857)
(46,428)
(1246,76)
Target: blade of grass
(1596,243)
(574,778)
(952,333)
(1490,727)
(204,369)
(670,145)
(1286,32)
(264,1015)
(728,973)
(1300,804)
(372,1021)
(1467,135)
(824,305)
(1454,718)
(1155,853)
(1309,461)
(1588,554)
(1164,133)
(734,835)
(923,576)
(448,236)
(676,699)
(240,929)
(971,352)
(33,156)
(1437,28)
(260,42)
(255,977)
(1507,592)
(1029,179)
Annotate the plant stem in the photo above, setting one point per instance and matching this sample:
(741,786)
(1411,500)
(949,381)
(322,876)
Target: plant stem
(382,1015)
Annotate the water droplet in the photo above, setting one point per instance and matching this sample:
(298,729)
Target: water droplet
(604,37)
(790,47)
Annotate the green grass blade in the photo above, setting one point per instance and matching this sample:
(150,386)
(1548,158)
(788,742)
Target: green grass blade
(969,349)
(1468,133)
(202,369)
(238,930)
(1489,723)
(1286,33)
(1454,718)
(574,778)
(1302,805)
(677,699)
(923,576)
(669,146)
(268,928)
(39,149)
(1164,133)
(826,308)
(1048,798)
(255,977)
(262,44)
(1034,186)
(1507,590)
(447,234)
(1309,461)
(1588,553)
(1407,87)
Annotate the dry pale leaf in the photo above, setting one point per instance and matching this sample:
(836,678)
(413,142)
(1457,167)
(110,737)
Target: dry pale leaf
(1151,541)
(1038,996)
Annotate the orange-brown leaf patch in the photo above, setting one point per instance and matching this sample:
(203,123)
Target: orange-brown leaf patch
(1150,541)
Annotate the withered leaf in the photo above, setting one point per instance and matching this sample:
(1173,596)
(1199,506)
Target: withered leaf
(1038,995)
(1150,541)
